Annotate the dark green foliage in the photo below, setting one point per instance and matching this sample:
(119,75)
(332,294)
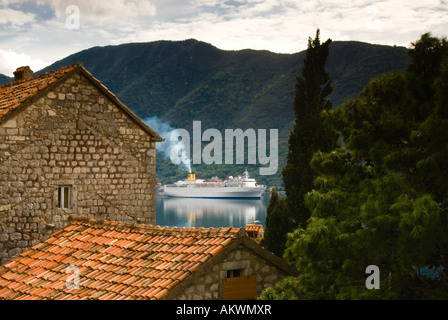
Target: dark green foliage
(427,56)
(310,133)
(276,224)
(380,198)
(182,81)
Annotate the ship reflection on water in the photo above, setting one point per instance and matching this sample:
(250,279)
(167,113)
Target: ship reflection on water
(199,212)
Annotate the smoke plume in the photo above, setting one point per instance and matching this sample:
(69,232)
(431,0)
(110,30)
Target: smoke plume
(165,148)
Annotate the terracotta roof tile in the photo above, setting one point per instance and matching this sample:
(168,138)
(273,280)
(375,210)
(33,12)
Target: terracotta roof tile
(114,260)
(253,227)
(12,95)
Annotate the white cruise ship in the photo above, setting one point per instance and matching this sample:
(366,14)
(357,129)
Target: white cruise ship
(239,187)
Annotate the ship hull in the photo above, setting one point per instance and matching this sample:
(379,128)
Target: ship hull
(217,192)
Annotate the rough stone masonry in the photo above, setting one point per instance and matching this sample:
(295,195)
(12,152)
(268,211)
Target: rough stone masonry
(72,152)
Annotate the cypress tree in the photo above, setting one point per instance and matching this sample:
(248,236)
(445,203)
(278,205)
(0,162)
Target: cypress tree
(310,134)
(276,223)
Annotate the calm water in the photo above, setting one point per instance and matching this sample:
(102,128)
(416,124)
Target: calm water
(190,212)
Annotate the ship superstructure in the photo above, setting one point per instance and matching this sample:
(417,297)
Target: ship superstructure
(238,187)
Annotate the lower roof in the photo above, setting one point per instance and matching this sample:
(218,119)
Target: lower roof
(113,260)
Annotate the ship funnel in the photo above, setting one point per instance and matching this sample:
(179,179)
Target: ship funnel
(191,176)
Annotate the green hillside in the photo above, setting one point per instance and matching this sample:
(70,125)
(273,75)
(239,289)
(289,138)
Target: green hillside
(5,79)
(183,81)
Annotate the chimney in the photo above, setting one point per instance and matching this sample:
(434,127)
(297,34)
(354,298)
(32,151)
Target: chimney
(23,73)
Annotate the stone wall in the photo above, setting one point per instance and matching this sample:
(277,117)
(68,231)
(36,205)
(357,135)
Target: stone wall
(209,285)
(73,136)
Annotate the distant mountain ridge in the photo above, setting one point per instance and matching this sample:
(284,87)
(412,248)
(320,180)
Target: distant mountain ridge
(5,79)
(183,81)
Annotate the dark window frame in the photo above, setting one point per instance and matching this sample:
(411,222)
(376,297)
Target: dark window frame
(64,200)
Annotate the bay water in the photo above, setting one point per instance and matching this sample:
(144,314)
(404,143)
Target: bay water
(208,213)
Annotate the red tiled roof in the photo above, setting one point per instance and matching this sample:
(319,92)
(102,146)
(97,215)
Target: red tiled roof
(13,94)
(115,261)
(253,227)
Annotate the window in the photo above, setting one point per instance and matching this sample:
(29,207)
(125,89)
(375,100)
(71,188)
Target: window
(64,197)
(233,273)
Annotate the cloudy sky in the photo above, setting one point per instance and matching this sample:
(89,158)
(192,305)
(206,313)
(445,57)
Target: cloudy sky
(40,32)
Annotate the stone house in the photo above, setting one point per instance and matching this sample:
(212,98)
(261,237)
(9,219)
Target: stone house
(109,260)
(69,147)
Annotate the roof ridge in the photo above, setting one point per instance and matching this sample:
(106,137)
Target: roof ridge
(238,232)
(65,69)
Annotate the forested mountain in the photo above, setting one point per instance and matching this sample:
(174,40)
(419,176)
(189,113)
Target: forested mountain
(183,81)
(5,79)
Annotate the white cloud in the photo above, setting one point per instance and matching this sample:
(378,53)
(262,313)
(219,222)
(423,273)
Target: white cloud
(11,60)
(111,10)
(15,18)
(284,26)
(6,3)
(275,25)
